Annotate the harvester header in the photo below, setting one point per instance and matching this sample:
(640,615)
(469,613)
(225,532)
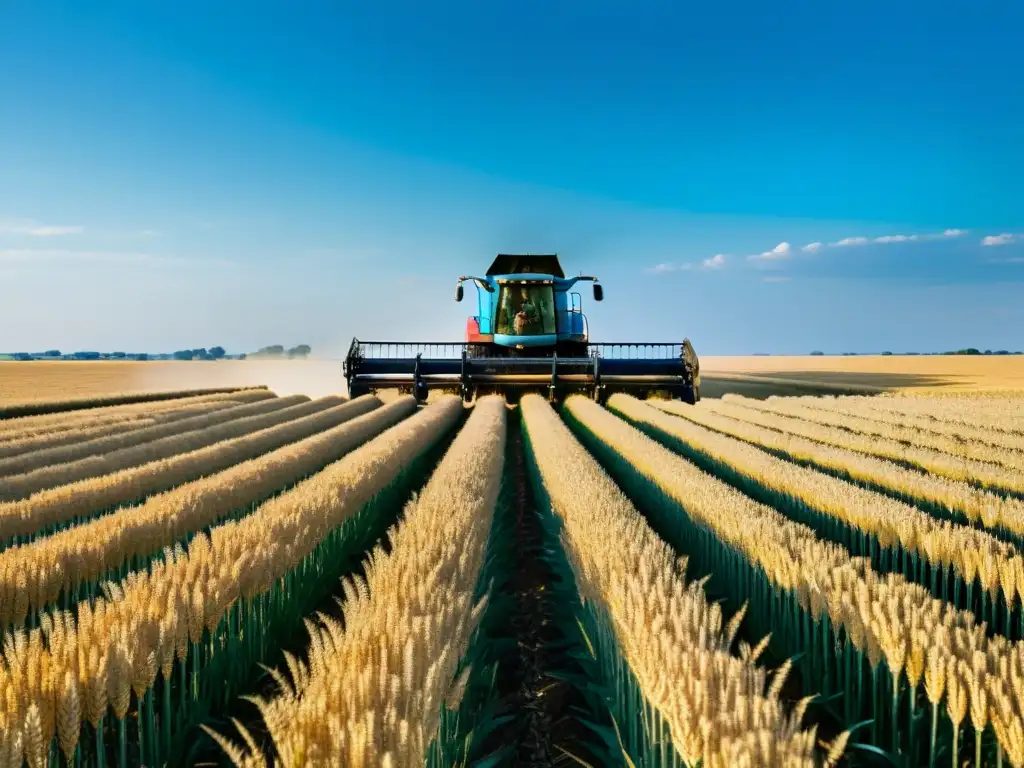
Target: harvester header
(529,334)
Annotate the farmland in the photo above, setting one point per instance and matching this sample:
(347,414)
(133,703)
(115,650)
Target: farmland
(198,570)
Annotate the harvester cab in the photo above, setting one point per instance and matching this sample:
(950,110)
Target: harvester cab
(529,334)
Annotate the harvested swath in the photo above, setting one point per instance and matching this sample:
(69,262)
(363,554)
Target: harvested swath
(22,486)
(34,576)
(153,624)
(30,426)
(978,505)
(39,442)
(857,613)
(106,444)
(17,410)
(410,622)
(972,553)
(865,414)
(994,466)
(719,707)
(956,445)
(80,499)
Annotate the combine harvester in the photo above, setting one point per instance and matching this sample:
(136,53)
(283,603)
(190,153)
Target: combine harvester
(530,336)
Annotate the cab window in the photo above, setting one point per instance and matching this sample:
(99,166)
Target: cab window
(526,310)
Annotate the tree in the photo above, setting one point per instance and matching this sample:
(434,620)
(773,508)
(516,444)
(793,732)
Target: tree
(273,349)
(217,353)
(51,353)
(302,350)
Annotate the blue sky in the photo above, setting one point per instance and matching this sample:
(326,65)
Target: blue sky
(248,174)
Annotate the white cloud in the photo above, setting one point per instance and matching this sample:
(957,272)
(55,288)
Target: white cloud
(1004,239)
(852,241)
(891,239)
(780,251)
(715,262)
(661,269)
(954,232)
(35,229)
(812,247)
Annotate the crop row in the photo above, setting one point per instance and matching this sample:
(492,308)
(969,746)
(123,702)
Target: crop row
(94,402)
(658,633)
(896,527)
(49,439)
(890,433)
(873,639)
(67,563)
(77,501)
(996,476)
(865,411)
(24,485)
(986,413)
(195,620)
(378,681)
(994,511)
(74,450)
(55,423)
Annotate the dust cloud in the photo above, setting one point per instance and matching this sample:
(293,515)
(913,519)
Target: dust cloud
(315,378)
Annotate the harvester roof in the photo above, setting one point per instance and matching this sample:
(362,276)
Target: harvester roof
(521,263)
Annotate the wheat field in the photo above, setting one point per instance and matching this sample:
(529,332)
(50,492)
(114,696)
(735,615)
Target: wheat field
(227,574)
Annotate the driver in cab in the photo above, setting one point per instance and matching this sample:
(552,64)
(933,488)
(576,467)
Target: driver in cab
(528,315)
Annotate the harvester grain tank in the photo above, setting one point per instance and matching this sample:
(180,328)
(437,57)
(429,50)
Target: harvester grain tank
(529,334)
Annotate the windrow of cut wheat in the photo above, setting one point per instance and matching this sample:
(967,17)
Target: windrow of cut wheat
(372,690)
(39,442)
(995,476)
(866,411)
(718,707)
(992,510)
(27,519)
(67,563)
(857,614)
(972,553)
(866,428)
(106,444)
(32,426)
(15,410)
(23,486)
(156,620)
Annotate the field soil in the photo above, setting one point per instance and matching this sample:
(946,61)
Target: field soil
(751,376)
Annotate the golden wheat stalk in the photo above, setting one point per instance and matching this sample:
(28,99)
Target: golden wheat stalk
(55,409)
(886,617)
(31,426)
(969,550)
(64,503)
(406,626)
(861,430)
(963,412)
(39,442)
(23,486)
(719,707)
(121,642)
(978,505)
(955,467)
(106,444)
(46,567)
